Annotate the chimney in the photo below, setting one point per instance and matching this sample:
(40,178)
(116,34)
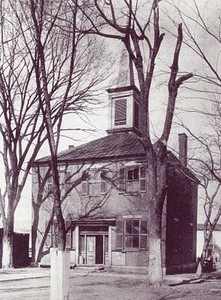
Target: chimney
(71,146)
(183,148)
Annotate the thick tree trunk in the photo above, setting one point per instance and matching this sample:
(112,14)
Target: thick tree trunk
(59,224)
(60,274)
(7,256)
(7,244)
(157,160)
(34,231)
(155,272)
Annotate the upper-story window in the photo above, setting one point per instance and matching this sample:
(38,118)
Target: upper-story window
(85,188)
(94,185)
(65,179)
(133,179)
(120,117)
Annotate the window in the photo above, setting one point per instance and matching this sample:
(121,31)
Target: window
(131,234)
(103,187)
(95,184)
(133,174)
(119,234)
(132,179)
(85,188)
(120,117)
(65,178)
(52,236)
(68,235)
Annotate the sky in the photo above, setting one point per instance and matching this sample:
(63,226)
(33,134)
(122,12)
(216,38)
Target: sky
(188,100)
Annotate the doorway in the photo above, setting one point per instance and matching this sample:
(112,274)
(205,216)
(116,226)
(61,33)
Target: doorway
(99,258)
(93,249)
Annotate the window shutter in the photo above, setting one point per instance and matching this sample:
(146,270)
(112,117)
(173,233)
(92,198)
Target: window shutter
(143,242)
(68,239)
(143,234)
(120,112)
(143,179)
(122,185)
(119,234)
(103,187)
(85,188)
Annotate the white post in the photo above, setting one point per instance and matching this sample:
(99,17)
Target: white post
(60,274)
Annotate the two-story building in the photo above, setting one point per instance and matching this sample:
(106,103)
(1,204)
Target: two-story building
(104,185)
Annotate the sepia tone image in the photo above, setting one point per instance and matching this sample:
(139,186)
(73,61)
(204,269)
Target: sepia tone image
(110,149)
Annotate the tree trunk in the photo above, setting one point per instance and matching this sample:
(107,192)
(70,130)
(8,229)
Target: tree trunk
(60,274)
(34,230)
(157,161)
(7,244)
(207,240)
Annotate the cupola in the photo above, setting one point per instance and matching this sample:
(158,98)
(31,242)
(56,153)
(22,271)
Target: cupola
(124,100)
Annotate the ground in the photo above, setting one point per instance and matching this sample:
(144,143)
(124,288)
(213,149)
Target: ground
(34,284)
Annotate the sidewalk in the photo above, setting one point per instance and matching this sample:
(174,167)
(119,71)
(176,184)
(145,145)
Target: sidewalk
(29,273)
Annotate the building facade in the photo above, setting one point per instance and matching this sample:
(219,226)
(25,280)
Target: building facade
(104,190)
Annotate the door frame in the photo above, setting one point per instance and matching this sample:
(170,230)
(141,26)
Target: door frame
(84,253)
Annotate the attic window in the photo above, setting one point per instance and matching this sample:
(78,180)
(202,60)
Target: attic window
(120,112)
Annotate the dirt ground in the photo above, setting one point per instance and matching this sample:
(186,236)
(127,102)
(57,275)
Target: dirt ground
(110,286)
(128,288)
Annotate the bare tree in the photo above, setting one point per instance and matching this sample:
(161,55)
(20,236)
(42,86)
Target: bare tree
(206,164)
(44,75)
(142,37)
(202,36)
(20,128)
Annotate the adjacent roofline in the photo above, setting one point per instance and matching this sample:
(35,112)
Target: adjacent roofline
(178,164)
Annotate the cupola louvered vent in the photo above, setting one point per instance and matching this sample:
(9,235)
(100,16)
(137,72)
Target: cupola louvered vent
(120,112)
(124,114)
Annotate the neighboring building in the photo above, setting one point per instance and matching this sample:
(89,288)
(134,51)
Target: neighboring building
(214,249)
(106,206)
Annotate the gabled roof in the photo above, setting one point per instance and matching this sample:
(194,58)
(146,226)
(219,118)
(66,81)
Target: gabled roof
(113,146)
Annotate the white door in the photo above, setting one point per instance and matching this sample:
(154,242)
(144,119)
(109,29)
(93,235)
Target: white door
(91,250)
